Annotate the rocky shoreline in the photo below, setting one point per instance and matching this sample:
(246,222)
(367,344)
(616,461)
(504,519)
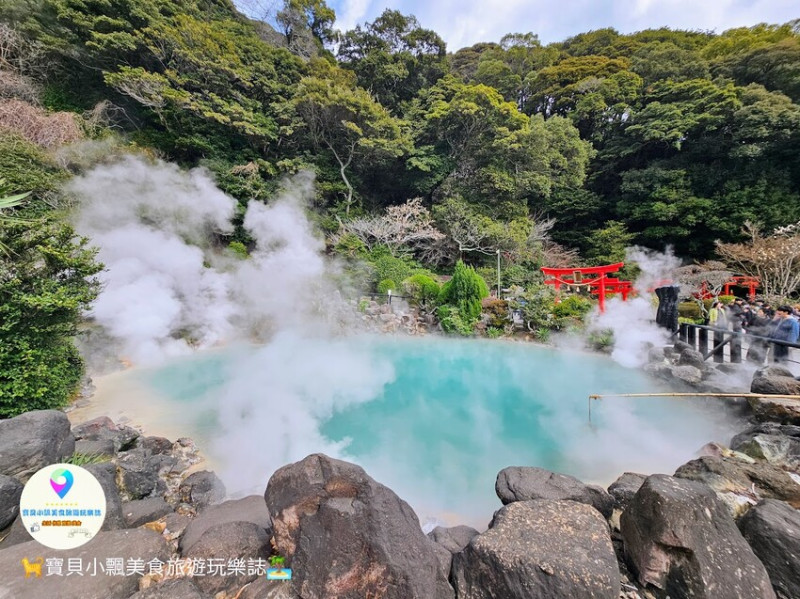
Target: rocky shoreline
(724,525)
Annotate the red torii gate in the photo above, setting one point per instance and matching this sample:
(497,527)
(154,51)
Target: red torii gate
(598,285)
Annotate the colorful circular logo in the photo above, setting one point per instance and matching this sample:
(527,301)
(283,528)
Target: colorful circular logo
(63,506)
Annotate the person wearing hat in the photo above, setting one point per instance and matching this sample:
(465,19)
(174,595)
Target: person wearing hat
(785,328)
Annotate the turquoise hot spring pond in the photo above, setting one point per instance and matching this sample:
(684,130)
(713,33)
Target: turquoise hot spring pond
(434,419)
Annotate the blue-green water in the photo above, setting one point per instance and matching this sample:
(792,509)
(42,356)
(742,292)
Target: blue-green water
(434,419)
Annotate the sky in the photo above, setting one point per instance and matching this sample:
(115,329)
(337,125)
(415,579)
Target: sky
(462,23)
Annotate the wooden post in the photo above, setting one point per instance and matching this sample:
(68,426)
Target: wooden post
(601,296)
(690,335)
(736,343)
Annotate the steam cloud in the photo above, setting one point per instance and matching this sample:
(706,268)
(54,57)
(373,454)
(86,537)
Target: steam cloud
(166,282)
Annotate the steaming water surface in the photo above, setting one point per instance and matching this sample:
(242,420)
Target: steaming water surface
(434,419)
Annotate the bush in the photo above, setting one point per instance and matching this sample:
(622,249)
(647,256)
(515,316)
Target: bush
(727,300)
(452,322)
(537,305)
(238,248)
(422,290)
(386,285)
(601,340)
(689,309)
(497,312)
(573,307)
(494,332)
(465,291)
(392,268)
(542,335)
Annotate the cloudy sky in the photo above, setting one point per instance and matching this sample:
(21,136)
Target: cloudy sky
(464,22)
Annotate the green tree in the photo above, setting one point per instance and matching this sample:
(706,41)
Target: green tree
(464,291)
(347,122)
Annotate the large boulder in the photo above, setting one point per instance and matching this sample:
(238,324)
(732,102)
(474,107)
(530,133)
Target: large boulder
(679,537)
(248,509)
(142,511)
(542,548)
(106,475)
(230,541)
(123,544)
(32,441)
(10,492)
(778,444)
(774,380)
(102,430)
(773,530)
(346,535)
(740,484)
(202,489)
(139,472)
(775,409)
(692,357)
(523,483)
(624,488)
(691,375)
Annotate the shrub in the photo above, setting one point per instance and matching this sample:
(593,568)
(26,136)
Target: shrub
(385,285)
(689,309)
(494,332)
(537,305)
(542,335)
(452,322)
(238,248)
(465,291)
(392,268)
(350,246)
(422,290)
(573,307)
(497,312)
(602,340)
(727,299)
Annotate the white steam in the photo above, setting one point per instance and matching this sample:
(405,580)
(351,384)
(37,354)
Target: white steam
(165,287)
(633,321)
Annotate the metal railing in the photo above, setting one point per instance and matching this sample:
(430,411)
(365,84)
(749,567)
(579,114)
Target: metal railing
(698,336)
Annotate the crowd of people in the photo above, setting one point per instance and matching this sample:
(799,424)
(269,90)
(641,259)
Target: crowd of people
(762,323)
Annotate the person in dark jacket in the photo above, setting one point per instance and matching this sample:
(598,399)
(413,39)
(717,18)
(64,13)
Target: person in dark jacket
(757,349)
(785,328)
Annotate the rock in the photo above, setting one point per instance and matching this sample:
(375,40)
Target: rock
(624,488)
(454,539)
(98,447)
(541,548)
(138,473)
(692,357)
(680,538)
(106,474)
(125,544)
(154,445)
(449,541)
(681,346)
(10,492)
(740,484)
(773,530)
(777,444)
(228,541)
(142,511)
(718,450)
(103,428)
(32,441)
(345,535)
(176,588)
(248,509)
(660,370)
(785,411)
(774,380)
(687,374)
(202,489)
(14,535)
(521,483)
